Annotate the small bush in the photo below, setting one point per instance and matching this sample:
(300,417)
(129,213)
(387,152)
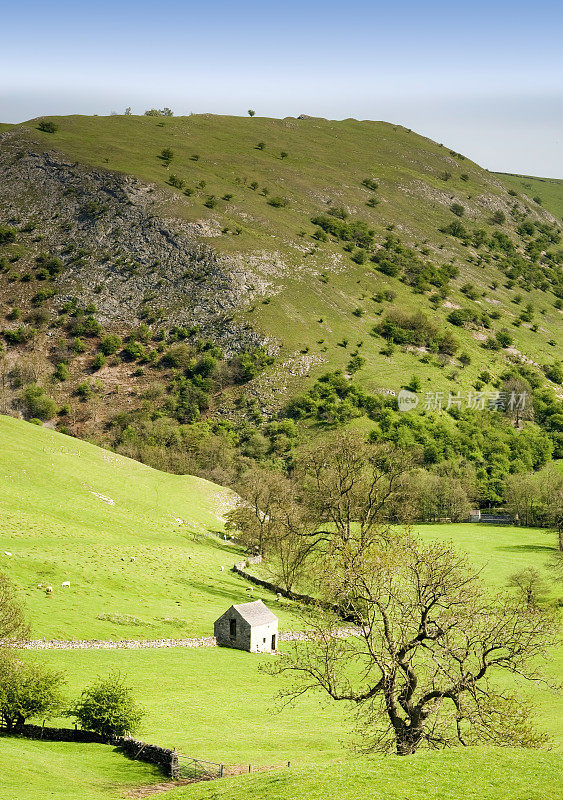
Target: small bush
(278,202)
(47,127)
(37,403)
(7,235)
(110,344)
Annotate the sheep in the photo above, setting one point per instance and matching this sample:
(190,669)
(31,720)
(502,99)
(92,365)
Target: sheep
(65,584)
(7,553)
(48,590)
(132,558)
(222,569)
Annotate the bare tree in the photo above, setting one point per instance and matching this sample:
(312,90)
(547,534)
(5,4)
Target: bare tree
(338,498)
(12,623)
(424,666)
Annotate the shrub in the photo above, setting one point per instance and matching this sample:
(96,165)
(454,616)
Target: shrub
(133,350)
(414,384)
(283,154)
(47,127)
(456,229)
(99,361)
(110,344)
(166,155)
(85,390)
(7,235)
(62,372)
(37,403)
(260,146)
(211,201)
(537,200)
(338,211)
(504,338)
(108,708)
(457,209)
(176,182)
(554,372)
(370,184)
(498,218)
(355,231)
(278,202)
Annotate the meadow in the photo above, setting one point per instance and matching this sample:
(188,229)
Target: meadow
(70,511)
(216,704)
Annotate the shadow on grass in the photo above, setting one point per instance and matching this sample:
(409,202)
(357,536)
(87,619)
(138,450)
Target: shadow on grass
(527,548)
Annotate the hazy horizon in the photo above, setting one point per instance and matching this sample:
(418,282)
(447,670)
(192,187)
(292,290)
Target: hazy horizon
(486,81)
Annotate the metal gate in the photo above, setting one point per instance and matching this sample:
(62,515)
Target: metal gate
(197,769)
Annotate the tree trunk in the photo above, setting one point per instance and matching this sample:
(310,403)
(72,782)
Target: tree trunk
(407,740)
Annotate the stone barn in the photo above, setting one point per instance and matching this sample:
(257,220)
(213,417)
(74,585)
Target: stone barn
(248,626)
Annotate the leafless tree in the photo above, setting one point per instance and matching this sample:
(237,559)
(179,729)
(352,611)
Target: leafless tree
(424,666)
(12,623)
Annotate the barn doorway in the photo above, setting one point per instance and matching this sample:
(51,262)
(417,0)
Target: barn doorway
(274,641)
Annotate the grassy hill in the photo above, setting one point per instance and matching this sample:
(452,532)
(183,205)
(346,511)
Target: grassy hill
(71,511)
(548,190)
(248,189)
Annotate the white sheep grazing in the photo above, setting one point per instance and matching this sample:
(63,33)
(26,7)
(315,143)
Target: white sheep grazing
(132,558)
(7,553)
(222,569)
(65,584)
(48,590)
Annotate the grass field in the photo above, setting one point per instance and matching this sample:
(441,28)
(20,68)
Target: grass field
(33,770)
(472,774)
(215,703)
(58,524)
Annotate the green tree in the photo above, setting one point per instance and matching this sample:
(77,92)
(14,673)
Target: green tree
(108,707)
(37,404)
(27,690)
(47,127)
(251,112)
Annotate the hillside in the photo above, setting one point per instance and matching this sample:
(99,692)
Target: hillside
(549,191)
(70,511)
(169,285)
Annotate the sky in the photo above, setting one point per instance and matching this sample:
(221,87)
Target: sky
(486,79)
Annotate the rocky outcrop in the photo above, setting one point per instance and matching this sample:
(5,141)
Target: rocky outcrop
(118,249)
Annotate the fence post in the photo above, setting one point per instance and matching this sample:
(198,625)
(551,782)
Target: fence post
(250,767)
(221,771)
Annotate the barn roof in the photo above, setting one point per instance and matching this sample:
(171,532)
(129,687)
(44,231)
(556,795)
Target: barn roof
(256,613)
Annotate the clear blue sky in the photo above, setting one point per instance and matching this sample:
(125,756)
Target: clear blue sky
(484,78)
